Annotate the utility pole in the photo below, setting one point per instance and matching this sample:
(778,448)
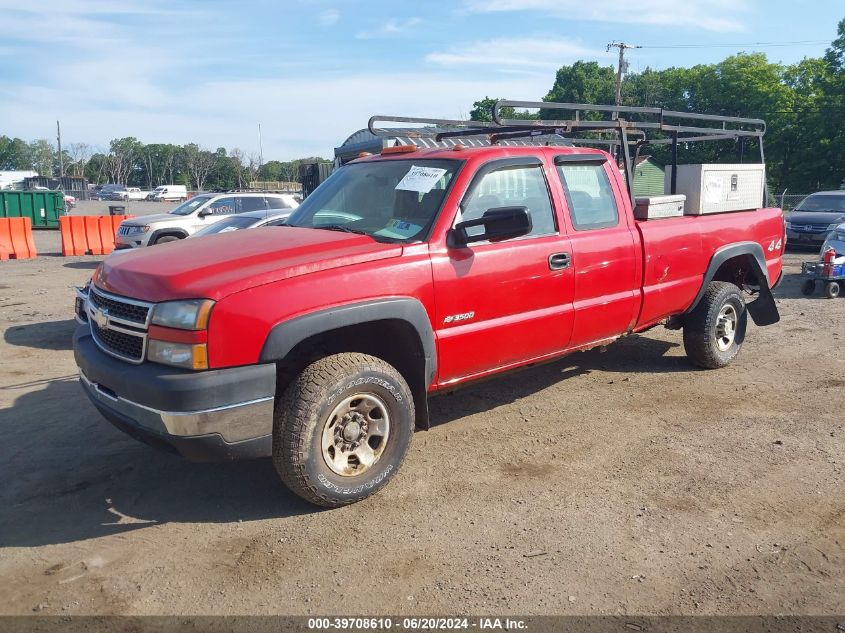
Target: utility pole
(61,158)
(621,68)
(260,148)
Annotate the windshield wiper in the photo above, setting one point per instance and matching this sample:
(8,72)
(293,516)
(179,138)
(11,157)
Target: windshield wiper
(340,227)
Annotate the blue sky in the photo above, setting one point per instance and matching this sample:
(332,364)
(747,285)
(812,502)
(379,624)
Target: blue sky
(312,71)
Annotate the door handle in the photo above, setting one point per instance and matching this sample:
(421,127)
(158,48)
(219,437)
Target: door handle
(559,261)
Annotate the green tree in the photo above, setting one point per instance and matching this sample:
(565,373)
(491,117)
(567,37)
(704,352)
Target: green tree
(582,82)
(14,154)
(124,164)
(43,157)
(835,55)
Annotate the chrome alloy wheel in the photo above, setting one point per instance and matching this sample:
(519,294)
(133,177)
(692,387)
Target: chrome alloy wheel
(355,434)
(726,324)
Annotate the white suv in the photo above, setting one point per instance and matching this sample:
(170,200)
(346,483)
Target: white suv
(195,214)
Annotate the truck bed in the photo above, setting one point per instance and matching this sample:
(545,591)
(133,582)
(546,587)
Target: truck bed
(676,252)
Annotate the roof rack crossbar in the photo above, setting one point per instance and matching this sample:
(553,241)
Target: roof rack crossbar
(660,113)
(551,105)
(371,124)
(695,139)
(480,131)
(556,131)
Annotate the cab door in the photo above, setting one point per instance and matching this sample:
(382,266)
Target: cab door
(504,303)
(604,257)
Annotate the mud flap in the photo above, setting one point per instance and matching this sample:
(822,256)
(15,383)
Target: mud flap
(763,309)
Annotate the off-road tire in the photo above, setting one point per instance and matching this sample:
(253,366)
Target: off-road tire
(700,326)
(164,239)
(301,415)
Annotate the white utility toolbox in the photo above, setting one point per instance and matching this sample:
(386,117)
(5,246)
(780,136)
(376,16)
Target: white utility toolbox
(719,188)
(657,207)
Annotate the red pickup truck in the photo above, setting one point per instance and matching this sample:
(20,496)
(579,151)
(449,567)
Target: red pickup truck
(319,342)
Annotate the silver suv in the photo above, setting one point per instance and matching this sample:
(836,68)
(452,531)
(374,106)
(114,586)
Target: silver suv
(197,213)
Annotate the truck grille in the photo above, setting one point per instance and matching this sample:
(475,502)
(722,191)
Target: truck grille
(121,309)
(118,325)
(119,343)
(808,228)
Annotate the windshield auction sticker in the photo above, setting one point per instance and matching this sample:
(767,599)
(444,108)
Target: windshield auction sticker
(401,229)
(420,179)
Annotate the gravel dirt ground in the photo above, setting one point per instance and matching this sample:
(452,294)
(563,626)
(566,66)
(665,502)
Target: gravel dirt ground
(622,482)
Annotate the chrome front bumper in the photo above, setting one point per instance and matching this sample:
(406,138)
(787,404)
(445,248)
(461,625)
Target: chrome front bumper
(233,423)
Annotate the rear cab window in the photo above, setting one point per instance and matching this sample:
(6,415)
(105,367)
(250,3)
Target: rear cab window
(589,194)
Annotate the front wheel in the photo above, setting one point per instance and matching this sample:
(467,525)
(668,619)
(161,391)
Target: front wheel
(342,429)
(165,239)
(715,330)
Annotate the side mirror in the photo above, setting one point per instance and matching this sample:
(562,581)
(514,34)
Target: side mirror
(204,213)
(502,223)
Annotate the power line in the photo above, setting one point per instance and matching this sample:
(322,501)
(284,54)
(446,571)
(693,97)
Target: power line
(796,43)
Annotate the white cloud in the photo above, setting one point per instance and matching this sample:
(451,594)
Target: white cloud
(329,17)
(513,53)
(299,116)
(391,27)
(713,15)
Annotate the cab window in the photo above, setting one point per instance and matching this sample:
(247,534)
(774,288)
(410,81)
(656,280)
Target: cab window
(588,196)
(512,186)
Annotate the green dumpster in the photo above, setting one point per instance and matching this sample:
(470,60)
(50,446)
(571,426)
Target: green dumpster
(42,207)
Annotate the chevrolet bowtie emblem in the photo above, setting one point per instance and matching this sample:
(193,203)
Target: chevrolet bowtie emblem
(101,317)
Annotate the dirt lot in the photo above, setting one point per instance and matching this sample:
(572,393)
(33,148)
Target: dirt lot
(622,482)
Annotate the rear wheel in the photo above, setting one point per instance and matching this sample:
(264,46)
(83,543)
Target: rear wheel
(715,330)
(831,289)
(164,239)
(342,429)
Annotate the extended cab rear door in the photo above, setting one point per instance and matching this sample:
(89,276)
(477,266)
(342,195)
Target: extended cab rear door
(499,304)
(604,255)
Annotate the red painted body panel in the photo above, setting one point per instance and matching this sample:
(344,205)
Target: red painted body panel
(622,279)
(220,265)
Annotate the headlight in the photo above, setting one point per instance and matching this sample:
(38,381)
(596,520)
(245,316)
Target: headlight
(189,356)
(833,226)
(788,225)
(184,315)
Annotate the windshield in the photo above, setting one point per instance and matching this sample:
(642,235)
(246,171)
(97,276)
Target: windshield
(229,224)
(189,206)
(823,203)
(390,200)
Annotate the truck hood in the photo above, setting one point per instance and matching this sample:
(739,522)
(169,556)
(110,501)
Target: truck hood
(215,266)
(815,217)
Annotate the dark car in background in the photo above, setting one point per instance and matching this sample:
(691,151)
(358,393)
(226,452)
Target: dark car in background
(104,192)
(814,218)
(248,220)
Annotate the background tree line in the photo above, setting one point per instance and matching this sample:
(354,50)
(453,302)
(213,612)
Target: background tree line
(129,161)
(803,105)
